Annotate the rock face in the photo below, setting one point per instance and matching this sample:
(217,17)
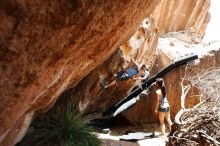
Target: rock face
(189,15)
(49,46)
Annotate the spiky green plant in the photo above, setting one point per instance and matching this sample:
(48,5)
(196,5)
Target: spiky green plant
(62,126)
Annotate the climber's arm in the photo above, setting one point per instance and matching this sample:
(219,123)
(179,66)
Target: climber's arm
(157,100)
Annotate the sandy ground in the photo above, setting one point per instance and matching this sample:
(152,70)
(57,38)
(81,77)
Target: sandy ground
(112,138)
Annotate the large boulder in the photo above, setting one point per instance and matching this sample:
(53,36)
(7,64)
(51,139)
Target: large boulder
(49,46)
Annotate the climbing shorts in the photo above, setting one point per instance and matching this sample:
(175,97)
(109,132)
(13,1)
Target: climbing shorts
(164,109)
(122,75)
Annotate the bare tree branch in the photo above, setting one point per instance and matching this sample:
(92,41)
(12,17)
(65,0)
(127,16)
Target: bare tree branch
(199,125)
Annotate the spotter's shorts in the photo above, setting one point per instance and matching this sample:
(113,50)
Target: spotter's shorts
(164,109)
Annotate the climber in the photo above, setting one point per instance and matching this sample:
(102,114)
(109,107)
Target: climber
(144,76)
(162,106)
(124,75)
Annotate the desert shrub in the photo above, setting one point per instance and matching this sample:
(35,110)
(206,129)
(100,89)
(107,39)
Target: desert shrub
(61,126)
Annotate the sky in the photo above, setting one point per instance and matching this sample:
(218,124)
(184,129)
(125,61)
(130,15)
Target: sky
(213,28)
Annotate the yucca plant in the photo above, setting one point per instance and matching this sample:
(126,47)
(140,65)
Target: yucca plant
(61,126)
